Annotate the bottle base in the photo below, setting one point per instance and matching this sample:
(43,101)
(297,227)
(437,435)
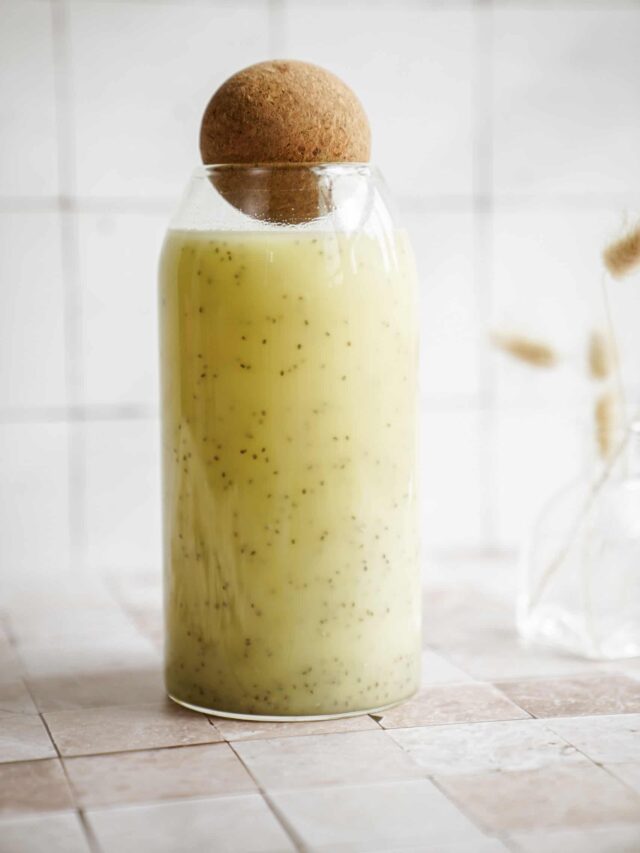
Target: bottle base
(300,718)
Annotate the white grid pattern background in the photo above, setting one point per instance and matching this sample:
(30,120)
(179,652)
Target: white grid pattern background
(508,131)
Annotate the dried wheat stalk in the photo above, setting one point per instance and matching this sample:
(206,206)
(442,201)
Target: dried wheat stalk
(533,352)
(600,356)
(624,254)
(605,422)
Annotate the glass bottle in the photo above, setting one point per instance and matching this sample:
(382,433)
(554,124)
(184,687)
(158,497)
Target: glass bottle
(288,335)
(581,590)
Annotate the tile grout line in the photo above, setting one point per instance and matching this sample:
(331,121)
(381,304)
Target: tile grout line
(605,766)
(486,831)
(87,830)
(70,274)
(444,793)
(483,236)
(275,811)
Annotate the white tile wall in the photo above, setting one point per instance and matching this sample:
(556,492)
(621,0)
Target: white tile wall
(509,133)
(117,268)
(535,452)
(32,343)
(412,65)
(34,502)
(451,485)
(28,165)
(122,495)
(565,98)
(547,284)
(450,343)
(141,76)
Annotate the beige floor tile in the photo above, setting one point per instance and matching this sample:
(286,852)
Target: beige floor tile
(23,737)
(240,824)
(52,833)
(629,667)
(582,695)
(37,597)
(606,739)
(376,817)
(14,696)
(455,703)
(68,624)
(87,688)
(551,797)
(33,786)
(480,747)
(504,657)
(481,845)
(163,774)
(234,730)
(629,773)
(338,759)
(133,727)
(436,669)
(600,839)
(42,658)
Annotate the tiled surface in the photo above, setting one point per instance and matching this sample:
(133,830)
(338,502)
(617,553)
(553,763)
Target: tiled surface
(316,760)
(628,773)
(235,730)
(606,839)
(23,737)
(29,134)
(236,824)
(120,296)
(89,689)
(605,740)
(509,135)
(33,786)
(34,485)
(163,774)
(122,728)
(122,465)
(32,342)
(459,703)
(418,98)
(377,817)
(479,748)
(577,796)
(436,669)
(444,247)
(174,61)
(450,450)
(463,767)
(59,832)
(573,127)
(573,697)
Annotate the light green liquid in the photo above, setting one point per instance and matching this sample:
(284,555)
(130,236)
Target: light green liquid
(289,429)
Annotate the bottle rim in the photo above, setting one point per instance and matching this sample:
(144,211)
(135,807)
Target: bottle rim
(328,168)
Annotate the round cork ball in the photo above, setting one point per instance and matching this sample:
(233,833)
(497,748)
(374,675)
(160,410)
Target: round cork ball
(284,111)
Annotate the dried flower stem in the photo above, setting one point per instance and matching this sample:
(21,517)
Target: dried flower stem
(605,433)
(582,515)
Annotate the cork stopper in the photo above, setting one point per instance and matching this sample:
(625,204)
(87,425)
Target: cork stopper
(288,113)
